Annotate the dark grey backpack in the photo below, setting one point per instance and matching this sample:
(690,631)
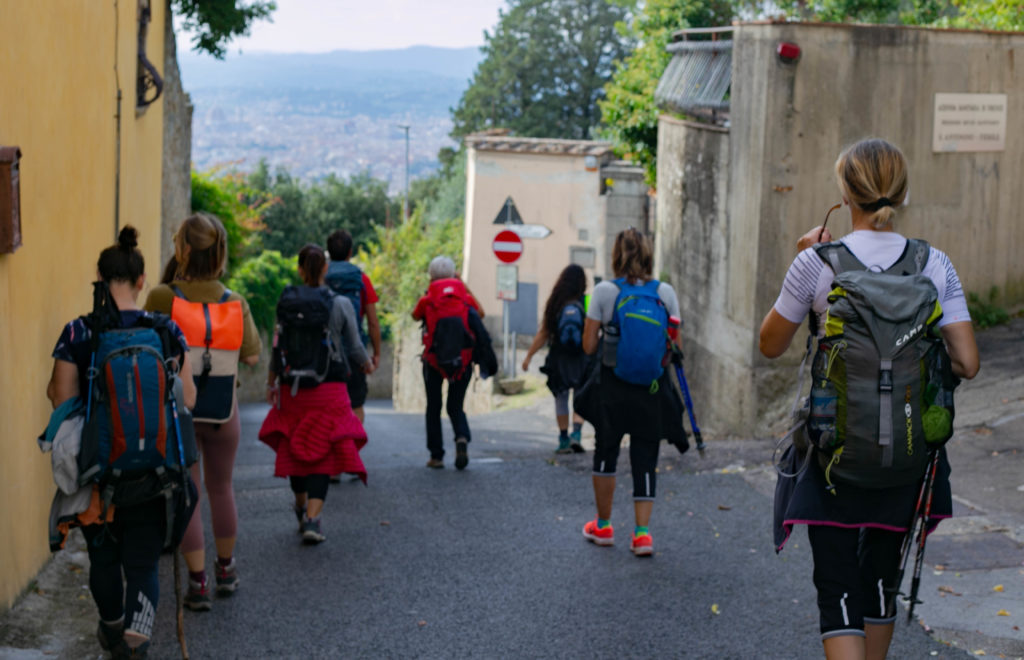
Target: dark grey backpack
(881,392)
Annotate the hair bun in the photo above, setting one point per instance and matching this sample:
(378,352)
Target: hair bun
(128,239)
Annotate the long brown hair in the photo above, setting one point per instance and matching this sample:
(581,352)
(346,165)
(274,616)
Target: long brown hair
(632,255)
(570,286)
(201,248)
(312,261)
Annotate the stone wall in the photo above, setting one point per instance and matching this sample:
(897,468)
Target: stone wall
(408,392)
(772,179)
(176,181)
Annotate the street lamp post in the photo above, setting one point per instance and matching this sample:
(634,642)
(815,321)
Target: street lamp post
(405,209)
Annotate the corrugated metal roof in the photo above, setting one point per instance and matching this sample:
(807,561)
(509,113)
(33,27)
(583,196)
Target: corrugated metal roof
(552,146)
(697,79)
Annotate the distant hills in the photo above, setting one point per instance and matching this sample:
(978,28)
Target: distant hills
(340,68)
(323,113)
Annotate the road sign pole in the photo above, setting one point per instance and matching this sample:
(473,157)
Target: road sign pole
(504,337)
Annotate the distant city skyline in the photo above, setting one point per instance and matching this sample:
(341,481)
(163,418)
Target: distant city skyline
(314,26)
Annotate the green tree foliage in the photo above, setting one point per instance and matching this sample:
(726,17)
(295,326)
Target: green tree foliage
(630,116)
(308,213)
(214,23)
(972,14)
(260,280)
(239,207)
(544,69)
(397,261)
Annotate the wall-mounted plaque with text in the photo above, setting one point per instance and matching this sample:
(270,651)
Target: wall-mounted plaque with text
(969,122)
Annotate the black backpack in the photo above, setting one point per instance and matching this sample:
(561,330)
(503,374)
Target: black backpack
(570,327)
(304,350)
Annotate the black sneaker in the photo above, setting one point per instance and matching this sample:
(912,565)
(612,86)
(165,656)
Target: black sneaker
(311,534)
(461,457)
(112,639)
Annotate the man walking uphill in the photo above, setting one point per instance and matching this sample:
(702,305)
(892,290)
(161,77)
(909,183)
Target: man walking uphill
(346,279)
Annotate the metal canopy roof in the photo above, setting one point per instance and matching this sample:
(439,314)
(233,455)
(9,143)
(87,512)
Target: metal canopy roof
(697,79)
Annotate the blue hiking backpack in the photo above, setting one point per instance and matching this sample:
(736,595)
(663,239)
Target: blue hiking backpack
(134,440)
(346,279)
(570,327)
(642,323)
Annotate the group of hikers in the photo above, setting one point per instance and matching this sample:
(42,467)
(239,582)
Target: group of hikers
(144,396)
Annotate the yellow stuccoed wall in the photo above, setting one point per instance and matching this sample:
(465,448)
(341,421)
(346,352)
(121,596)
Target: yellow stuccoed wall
(58,102)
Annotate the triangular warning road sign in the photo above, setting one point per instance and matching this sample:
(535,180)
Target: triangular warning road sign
(508,215)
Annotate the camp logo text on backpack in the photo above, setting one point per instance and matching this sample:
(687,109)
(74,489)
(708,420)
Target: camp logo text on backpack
(637,337)
(882,382)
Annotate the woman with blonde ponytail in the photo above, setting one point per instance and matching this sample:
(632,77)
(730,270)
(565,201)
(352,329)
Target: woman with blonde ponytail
(856,532)
(221,333)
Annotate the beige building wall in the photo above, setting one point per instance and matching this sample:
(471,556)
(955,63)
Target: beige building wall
(774,181)
(62,65)
(554,190)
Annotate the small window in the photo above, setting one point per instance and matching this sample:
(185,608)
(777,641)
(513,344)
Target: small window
(582,256)
(10,200)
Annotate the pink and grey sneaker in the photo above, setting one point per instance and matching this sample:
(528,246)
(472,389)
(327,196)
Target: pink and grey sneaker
(197,598)
(642,546)
(600,536)
(227,578)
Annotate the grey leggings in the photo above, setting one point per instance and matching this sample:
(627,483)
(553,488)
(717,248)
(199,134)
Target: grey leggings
(562,403)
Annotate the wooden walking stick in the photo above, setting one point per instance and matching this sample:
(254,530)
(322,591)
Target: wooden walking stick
(181,610)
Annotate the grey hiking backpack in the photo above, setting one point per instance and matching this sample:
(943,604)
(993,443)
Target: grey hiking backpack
(882,383)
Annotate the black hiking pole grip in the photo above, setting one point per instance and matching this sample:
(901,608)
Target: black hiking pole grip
(908,538)
(922,535)
(681,376)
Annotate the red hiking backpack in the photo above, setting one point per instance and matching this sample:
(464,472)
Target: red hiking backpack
(447,339)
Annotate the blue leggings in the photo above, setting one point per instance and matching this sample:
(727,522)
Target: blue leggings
(132,545)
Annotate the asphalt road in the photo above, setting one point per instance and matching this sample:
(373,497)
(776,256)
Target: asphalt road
(490,562)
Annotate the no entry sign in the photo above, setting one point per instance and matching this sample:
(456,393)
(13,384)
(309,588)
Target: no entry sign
(507,246)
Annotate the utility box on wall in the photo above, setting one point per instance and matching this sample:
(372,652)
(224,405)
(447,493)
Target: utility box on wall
(10,200)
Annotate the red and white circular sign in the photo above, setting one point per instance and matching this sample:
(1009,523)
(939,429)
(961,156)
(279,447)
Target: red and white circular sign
(507,246)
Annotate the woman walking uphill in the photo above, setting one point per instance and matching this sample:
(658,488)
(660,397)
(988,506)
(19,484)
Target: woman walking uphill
(857,513)
(131,543)
(634,314)
(221,333)
(562,329)
(311,425)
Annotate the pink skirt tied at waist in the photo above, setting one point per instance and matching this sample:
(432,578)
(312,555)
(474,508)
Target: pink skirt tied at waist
(315,432)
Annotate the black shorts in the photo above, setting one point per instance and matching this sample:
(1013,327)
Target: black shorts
(854,573)
(357,388)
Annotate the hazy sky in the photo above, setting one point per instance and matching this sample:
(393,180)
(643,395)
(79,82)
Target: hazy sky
(322,25)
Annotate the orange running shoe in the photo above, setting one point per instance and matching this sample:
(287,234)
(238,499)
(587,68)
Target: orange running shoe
(642,545)
(599,536)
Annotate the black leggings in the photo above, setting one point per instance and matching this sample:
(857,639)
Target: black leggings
(131,543)
(314,485)
(855,574)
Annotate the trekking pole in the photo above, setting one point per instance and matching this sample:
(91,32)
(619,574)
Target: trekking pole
(922,536)
(180,611)
(909,537)
(677,361)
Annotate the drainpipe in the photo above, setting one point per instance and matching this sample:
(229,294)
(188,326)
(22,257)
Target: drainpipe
(117,117)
